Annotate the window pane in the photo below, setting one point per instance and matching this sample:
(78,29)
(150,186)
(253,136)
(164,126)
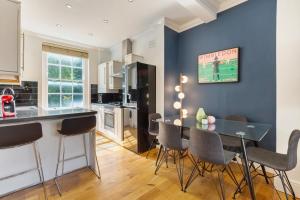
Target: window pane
(66,87)
(66,73)
(53,100)
(77,74)
(77,100)
(77,62)
(53,87)
(53,72)
(53,59)
(77,88)
(66,60)
(65,76)
(66,100)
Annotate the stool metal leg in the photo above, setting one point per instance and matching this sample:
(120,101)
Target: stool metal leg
(58,161)
(85,153)
(39,167)
(96,158)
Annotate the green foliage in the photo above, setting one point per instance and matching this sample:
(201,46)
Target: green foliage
(65,76)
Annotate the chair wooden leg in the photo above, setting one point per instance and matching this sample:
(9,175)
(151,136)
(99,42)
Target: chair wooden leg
(221,182)
(191,177)
(233,178)
(289,185)
(159,152)
(150,147)
(160,162)
(179,168)
(265,173)
(283,184)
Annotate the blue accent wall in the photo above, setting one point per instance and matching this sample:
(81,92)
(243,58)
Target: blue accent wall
(250,26)
(172,69)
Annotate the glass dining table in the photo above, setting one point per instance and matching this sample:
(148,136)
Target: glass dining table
(244,131)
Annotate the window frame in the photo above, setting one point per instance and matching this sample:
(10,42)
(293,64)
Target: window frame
(46,81)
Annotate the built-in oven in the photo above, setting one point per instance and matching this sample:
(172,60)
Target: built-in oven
(109,119)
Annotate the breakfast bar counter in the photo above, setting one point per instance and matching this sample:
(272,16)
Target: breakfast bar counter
(18,159)
(34,113)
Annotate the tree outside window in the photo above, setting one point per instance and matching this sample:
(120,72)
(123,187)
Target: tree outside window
(65,81)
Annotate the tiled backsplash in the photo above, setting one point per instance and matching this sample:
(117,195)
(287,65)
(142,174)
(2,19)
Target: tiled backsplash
(94,93)
(26,94)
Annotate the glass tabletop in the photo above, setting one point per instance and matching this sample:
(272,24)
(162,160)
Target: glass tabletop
(250,131)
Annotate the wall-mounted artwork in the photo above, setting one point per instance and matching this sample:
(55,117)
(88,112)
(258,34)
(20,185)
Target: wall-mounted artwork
(219,67)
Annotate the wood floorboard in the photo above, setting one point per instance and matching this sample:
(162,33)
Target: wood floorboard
(127,176)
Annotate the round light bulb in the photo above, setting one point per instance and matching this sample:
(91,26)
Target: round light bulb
(177,122)
(177,105)
(181,95)
(184,116)
(184,111)
(184,79)
(177,88)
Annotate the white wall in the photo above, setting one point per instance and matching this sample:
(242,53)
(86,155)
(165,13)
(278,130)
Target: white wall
(150,45)
(288,79)
(33,61)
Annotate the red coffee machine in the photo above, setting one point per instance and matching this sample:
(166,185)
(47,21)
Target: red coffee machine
(7,103)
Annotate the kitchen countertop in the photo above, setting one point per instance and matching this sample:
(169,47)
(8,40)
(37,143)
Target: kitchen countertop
(115,105)
(34,114)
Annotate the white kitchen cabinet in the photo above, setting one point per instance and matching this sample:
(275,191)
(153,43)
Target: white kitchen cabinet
(118,124)
(109,77)
(10,36)
(100,120)
(115,75)
(103,78)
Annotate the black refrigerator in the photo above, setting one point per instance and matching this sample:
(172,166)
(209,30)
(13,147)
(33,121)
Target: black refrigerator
(139,100)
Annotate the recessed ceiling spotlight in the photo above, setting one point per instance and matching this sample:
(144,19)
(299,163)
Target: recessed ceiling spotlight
(105,21)
(130,1)
(91,34)
(58,25)
(68,5)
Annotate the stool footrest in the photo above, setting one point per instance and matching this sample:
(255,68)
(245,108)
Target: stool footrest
(18,174)
(72,158)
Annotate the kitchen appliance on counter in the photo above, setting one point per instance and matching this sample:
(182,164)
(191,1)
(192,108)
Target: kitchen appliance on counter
(139,100)
(7,103)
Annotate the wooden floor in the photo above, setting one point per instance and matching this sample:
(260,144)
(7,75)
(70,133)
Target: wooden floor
(126,175)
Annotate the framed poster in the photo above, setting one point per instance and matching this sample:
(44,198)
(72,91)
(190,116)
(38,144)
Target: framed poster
(219,67)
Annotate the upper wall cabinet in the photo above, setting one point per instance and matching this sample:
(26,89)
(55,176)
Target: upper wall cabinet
(10,36)
(109,77)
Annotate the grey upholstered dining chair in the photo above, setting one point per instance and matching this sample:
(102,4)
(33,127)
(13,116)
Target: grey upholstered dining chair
(206,146)
(234,144)
(170,137)
(153,131)
(281,163)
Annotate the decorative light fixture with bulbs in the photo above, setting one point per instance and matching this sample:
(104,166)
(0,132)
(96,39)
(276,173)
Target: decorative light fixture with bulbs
(178,104)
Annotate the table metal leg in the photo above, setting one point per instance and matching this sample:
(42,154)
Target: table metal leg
(247,170)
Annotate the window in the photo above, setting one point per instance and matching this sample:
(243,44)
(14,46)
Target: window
(65,81)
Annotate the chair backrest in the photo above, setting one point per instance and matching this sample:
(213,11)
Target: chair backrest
(76,126)
(292,149)
(207,146)
(236,118)
(153,125)
(18,135)
(169,136)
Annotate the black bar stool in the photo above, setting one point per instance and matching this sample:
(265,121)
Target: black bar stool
(72,127)
(20,135)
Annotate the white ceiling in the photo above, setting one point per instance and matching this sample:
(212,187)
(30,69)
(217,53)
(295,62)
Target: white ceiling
(84,22)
